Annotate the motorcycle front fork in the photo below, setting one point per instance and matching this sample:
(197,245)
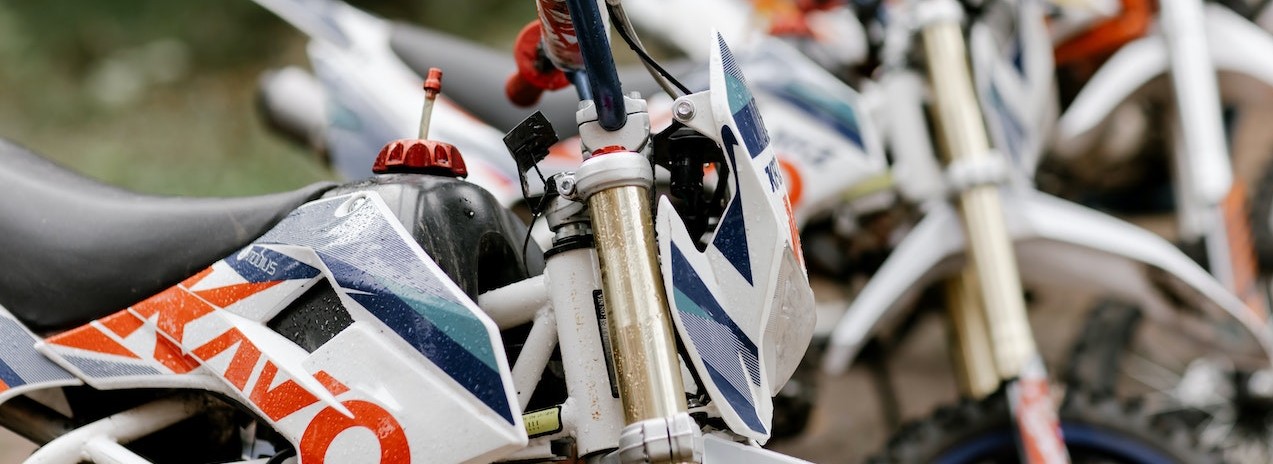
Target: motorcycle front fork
(993,342)
(1210,201)
(636,305)
(616,188)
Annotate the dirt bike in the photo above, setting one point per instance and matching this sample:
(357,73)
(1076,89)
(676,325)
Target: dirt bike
(918,180)
(821,137)
(399,319)
(988,103)
(1012,75)
(365,69)
(1197,47)
(1120,117)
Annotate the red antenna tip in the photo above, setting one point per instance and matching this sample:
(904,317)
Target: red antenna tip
(433,84)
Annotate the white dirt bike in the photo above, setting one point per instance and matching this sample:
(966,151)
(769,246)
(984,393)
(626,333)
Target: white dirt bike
(1058,245)
(1174,83)
(394,320)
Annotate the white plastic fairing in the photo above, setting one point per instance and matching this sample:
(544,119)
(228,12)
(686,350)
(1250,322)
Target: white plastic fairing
(825,142)
(1236,46)
(1013,71)
(407,369)
(790,325)
(742,306)
(22,368)
(373,98)
(717,450)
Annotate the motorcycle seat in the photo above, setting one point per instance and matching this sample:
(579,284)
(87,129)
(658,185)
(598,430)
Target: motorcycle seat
(73,249)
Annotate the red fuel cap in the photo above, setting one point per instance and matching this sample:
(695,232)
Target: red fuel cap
(421,157)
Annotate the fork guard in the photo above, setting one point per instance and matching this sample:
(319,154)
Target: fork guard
(1055,240)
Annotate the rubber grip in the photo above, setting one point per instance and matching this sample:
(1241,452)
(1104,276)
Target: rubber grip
(522,92)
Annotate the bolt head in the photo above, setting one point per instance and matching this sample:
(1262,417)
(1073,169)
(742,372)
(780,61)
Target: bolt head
(566,185)
(683,110)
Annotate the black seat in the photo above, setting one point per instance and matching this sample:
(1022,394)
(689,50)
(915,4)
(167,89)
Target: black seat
(73,249)
(483,71)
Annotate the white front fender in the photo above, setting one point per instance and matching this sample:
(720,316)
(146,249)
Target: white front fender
(1239,46)
(1236,46)
(1056,241)
(909,269)
(1131,67)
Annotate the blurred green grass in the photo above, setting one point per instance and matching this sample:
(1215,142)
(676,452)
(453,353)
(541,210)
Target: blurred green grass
(157,96)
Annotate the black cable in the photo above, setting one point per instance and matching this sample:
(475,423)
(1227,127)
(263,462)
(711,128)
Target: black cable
(623,33)
(526,241)
(534,217)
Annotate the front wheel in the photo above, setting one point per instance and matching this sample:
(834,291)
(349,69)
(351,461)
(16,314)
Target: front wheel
(1096,428)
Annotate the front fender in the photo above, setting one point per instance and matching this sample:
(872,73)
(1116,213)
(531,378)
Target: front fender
(1236,45)
(910,268)
(1131,67)
(1057,243)
(1239,46)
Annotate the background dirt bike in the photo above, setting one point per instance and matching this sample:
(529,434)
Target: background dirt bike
(1187,56)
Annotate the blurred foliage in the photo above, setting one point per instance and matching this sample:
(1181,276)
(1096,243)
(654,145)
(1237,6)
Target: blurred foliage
(157,95)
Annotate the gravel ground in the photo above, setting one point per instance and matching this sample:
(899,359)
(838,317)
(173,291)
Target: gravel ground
(13,448)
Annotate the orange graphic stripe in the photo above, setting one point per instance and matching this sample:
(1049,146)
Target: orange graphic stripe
(282,400)
(243,362)
(91,338)
(334,386)
(1242,250)
(231,294)
(176,307)
(123,323)
(170,356)
(1106,37)
(194,279)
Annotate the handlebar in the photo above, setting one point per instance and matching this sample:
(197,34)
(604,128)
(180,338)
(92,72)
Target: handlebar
(591,48)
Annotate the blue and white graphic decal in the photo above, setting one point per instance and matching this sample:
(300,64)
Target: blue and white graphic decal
(258,264)
(731,233)
(741,104)
(1009,128)
(22,368)
(723,345)
(1013,75)
(373,260)
(817,126)
(833,112)
(722,297)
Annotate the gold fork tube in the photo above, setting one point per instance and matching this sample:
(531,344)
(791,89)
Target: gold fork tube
(969,337)
(962,134)
(645,357)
